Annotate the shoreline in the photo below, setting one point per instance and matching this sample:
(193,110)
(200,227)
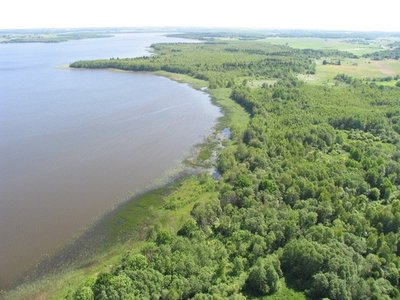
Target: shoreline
(167,177)
(78,253)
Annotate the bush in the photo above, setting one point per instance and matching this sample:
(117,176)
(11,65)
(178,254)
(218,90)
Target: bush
(263,278)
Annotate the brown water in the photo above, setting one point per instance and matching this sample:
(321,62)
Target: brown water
(74,143)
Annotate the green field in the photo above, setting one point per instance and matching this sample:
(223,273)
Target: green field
(361,68)
(394,65)
(327,44)
(391,83)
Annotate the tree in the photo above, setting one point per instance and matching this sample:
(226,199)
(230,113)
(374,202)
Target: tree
(189,228)
(329,285)
(374,194)
(263,278)
(301,260)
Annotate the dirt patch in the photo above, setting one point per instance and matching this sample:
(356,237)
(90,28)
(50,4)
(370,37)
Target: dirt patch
(385,69)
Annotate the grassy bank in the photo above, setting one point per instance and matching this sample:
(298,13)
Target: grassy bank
(126,228)
(134,219)
(234,115)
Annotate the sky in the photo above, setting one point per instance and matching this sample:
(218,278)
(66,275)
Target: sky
(357,15)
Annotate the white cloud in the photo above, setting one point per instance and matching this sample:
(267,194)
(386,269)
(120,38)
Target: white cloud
(308,14)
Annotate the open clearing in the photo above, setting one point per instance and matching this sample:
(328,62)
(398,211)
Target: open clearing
(328,44)
(358,68)
(384,68)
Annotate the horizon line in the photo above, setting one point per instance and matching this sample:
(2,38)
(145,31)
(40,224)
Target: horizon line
(240,28)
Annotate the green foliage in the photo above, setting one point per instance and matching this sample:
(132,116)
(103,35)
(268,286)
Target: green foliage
(301,260)
(218,63)
(133,261)
(393,53)
(308,195)
(189,191)
(85,291)
(163,237)
(263,278)
(329,285)
(189,229)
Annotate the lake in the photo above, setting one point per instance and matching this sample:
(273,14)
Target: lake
(75,143)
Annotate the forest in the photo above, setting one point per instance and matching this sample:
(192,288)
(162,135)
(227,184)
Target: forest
(393,53)
(308,202)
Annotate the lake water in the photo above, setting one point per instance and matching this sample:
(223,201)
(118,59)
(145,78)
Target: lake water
(73,143)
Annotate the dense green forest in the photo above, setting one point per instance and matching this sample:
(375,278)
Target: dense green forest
(308,202)
(393,53)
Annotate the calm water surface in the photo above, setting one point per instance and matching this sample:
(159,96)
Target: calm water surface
(73,143)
